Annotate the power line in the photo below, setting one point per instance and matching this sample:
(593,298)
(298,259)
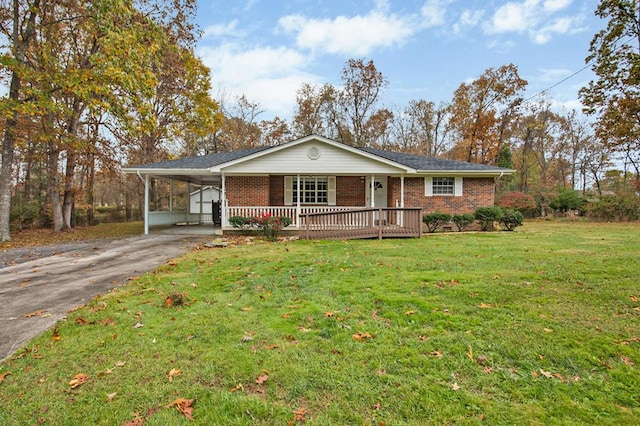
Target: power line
(579,71)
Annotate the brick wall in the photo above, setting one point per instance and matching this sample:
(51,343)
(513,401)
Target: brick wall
(350,191)
(476,192)
(276,194)
(247,190)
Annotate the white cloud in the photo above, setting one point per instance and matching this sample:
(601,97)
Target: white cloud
(535,18)
(350,36)
(268,75)
(556,5)
(223,30)
(552,74)
(433,12)
(468,19)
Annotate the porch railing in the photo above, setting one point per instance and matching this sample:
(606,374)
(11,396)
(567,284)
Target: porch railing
(362,223)
(288,211)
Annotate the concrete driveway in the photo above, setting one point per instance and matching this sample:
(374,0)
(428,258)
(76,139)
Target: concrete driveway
(53,285)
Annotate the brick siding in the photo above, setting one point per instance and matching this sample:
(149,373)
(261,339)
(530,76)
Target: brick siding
(350,191)
(247,190)
(476,192)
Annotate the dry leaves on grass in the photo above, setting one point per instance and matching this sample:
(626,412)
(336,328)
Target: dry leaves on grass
(362,337)
(184,406)
(3,375)
(174,372)
(78,380)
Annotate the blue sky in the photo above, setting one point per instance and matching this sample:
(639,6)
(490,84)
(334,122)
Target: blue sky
(266,49)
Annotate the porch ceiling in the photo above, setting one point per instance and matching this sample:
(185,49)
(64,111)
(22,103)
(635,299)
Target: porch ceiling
(197,179)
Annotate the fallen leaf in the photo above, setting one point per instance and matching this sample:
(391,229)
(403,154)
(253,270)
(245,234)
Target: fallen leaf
(174,372)
(35,314)
(138,325)
(377,406)
(470,354)
(436,354)
(486,306)
(81,321)
(328,314)
(546,374)
(409,312)
(3,375)
(237,388)
(247,308)
(120,363)
(548,330)
(634,298)
(361,337)
(55,335)
(262,379)
(626,360)
(423,338)
(78,379)
(455,386)
(300,415)
(185,406)
(110,396)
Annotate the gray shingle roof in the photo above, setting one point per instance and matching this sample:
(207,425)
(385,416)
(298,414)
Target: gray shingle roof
(202,161)
(416,162)
(419,162)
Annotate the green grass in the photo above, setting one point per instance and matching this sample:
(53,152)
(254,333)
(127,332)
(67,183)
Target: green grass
(539,326)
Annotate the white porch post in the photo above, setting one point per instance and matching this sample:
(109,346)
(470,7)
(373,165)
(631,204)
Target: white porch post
(223,203)
(146,204)
(372,191)
(170,195)
(201,190)
(298,208)
(401,200)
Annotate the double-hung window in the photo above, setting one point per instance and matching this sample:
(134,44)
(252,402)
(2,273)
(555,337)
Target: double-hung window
(443,186)
(313,190)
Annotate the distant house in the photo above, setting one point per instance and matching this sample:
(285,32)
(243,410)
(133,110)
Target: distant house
(316,174)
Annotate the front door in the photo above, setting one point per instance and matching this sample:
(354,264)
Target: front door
(379,192)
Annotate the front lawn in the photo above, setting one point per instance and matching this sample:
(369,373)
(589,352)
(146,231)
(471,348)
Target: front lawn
(537,326)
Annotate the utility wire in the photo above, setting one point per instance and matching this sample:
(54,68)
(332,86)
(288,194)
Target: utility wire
(577,72)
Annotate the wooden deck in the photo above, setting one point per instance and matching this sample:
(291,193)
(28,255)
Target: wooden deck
(362,223)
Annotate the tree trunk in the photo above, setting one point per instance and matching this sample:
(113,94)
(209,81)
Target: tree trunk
(69,190)
(53,188)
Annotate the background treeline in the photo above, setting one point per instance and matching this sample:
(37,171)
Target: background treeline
(94,85)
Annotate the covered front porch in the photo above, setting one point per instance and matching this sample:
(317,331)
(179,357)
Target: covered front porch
(218,212)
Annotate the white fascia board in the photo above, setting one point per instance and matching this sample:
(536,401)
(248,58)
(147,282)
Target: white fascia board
(471,173)
(160,172)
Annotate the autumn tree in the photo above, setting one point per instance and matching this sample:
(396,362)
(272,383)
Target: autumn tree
(314,108)
(18,23)
(482,112)
(422,128)
(240,126)
(355,115)
(613,98)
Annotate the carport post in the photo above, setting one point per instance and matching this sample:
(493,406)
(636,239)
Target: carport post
(146,204)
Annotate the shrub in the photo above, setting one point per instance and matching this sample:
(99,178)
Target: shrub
(615,208)
(487,216)
(435,220)
(511,219)
(239,221)
(463,220)
(566,199)
(270,226)
(524,203)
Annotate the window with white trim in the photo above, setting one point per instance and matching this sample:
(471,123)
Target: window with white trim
(313,190)
(443,185)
